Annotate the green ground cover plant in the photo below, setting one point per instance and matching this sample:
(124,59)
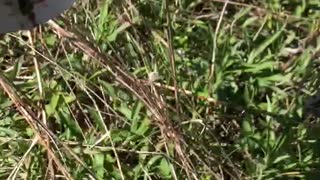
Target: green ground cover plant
(182,89)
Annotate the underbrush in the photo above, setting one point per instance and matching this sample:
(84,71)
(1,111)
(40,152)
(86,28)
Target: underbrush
(164,90)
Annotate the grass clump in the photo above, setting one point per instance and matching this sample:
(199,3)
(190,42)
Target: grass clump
(164,90)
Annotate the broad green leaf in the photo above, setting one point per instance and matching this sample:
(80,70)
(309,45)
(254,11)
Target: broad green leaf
(262,47)
(144,126)
(52,106)
(164,167)
(98,165)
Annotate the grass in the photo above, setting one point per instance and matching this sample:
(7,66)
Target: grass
(178,89)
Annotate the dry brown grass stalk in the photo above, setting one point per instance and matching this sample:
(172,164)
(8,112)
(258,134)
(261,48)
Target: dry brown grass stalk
(38,127)
(154,104)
